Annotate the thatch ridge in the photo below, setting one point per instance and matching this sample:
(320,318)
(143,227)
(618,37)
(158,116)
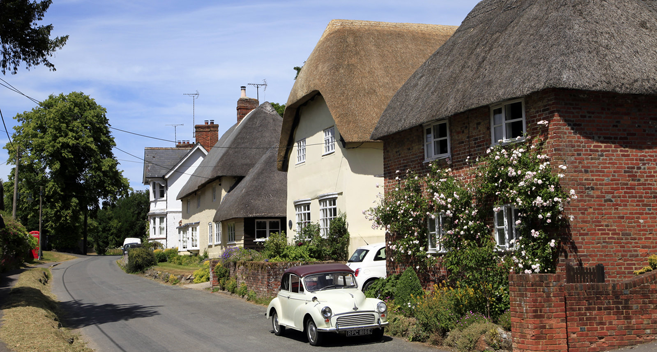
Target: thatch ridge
(238,149)
(506,49)
(262,193)
(357,66)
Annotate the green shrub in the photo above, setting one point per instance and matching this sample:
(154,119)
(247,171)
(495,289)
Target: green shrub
(152,245)
(470,318)
(241,290)
(296,253)
(238,254)
(251,296)
(275,245)
(222,283)
(171,253)
(399,325)
(645,269)
(231,285)
(139,259)
(333,246)
(652,261)
(383,288)
(160,256)
(173,279)
(202,274)
(221,271)
(504,320)
(466,340)
(408,289)
(14,244)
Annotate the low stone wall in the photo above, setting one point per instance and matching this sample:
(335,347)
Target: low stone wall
(264,278)
(549,315)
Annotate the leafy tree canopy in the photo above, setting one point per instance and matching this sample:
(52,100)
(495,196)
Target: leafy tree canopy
(115,222)
(22,39)
(66,147)
(280,108)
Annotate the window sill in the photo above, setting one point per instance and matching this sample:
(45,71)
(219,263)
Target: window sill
(329,153)
(439,157)
(229,243)
(300,163)
(260,240)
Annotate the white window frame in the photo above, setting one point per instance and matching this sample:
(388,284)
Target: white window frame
(437,232)
(162,228)
(329,140)
(508,227)
(217,233)
(505,124)
(302,212)
(154,227)
(230,229)
(162,191)
(301,151)
(194,237)
(430,140)
(210,236)
(328,210)
(267,229)
(185,238)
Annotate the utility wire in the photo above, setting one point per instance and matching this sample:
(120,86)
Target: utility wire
(3,122)
(16,90)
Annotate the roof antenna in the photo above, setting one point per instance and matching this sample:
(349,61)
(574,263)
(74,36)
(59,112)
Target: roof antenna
(258,85)
(194,97)
(174,130)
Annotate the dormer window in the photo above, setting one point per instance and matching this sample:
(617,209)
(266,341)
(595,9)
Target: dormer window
(508,122)
(329,140)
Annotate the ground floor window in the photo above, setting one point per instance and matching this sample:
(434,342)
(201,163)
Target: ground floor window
(264,228)
(328,211)
(210,237)
(231,232)
(163,221)
(506,217)
(217,232)
(302,211)
(194,237)
(436,233)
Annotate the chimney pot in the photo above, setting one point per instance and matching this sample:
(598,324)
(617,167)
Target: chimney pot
(243,95)
(212,122)
(206,122)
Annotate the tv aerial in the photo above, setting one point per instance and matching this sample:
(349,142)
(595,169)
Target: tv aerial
(258,85)
(194,97)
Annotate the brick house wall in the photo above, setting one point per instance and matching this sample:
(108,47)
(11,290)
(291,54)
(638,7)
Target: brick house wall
(608,141)
(549,315)
(207,134)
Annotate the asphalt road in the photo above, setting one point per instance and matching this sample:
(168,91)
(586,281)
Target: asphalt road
(116,311)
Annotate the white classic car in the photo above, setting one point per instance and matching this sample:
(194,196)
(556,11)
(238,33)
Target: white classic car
(325,298)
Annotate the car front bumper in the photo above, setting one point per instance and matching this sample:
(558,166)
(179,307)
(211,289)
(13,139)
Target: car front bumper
(380,325)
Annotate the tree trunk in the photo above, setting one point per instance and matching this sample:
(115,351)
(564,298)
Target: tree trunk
(84,231)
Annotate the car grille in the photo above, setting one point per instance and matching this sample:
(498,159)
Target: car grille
(355,320)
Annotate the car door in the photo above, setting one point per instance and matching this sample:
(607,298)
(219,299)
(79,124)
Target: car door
(291,300)
(379,263)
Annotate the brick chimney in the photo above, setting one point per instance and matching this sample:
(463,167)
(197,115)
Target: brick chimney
(245,105)
(207,134)
(184,144)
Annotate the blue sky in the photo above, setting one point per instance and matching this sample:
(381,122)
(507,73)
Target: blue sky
(138,59)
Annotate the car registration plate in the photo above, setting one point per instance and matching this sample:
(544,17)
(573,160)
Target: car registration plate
(359,332)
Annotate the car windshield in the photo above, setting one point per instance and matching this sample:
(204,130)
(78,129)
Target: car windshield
(358,256)
(329,281)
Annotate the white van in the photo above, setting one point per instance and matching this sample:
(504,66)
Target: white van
(131,240)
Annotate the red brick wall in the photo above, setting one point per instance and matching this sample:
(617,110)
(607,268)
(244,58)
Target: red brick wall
(244,107)
(548,315)
(608,141)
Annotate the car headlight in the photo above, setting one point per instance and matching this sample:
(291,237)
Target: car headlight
(381,307)
(327,312)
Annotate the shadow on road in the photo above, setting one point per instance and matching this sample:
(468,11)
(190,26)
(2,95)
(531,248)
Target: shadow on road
(334,340)
(78,315)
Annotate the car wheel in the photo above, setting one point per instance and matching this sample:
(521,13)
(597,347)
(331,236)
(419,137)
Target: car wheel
(278,329)
(314,336)
(367,285)
(377,334)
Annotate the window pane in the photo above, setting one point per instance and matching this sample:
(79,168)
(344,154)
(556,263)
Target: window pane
(513,111)
(497,134)
(514,129)
(427,138)
(440,130)
(500,237)
(261,225)
(274,226)
(497,116)
(441,147)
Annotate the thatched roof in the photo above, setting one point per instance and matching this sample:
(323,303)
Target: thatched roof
(507,48)
(262,193)
(357,66)
(238,150)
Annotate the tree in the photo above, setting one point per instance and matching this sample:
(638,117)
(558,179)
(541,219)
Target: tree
(280,108)
(22,39)
(298,69)
(66,147)
(115,222)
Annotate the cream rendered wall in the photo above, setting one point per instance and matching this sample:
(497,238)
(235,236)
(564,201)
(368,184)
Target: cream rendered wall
(352,174)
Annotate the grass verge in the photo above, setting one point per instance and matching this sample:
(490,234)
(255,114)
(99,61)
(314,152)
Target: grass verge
(176,269)
(31,319)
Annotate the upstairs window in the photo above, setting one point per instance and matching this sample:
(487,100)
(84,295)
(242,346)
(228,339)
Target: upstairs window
(436,140)
(436,234)
(162,226)
(329,140)
(301,151)
(505,226)
(162,189)
(508,122)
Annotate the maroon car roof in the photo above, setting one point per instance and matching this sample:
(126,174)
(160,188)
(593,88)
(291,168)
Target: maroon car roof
(304,270)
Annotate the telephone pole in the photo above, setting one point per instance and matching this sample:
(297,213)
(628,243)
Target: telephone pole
(18,159)
(194,97)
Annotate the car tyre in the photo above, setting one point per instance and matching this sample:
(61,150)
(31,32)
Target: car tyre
(314,336)
(278,328)
(377,335)
(367,285)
